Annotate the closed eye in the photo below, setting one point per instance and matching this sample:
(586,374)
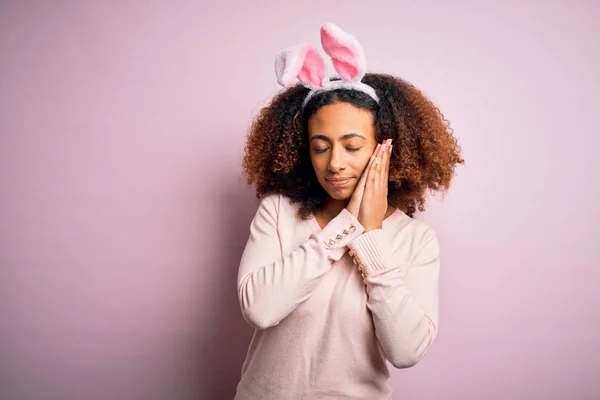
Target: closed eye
(350,149)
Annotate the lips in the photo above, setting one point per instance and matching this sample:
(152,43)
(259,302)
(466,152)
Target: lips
(338,181)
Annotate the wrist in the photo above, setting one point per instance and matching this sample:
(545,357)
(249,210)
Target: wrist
(352,211)
(369,228)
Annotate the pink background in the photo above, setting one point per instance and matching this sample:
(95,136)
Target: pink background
(123,214)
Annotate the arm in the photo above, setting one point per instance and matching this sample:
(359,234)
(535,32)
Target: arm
(403,299)
(271,284)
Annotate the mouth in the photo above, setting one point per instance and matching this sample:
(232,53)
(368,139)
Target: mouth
(338,182)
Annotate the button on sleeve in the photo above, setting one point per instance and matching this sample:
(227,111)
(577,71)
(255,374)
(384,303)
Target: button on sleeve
(340,231)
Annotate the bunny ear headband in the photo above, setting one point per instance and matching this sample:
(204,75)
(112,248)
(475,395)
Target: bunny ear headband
(303,62)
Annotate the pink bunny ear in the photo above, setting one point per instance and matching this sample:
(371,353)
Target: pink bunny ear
(302,62)
(346,53)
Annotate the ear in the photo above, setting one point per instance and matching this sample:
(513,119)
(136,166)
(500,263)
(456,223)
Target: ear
(346,53)
(301,62)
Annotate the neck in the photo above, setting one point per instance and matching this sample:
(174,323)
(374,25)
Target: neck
(334,207)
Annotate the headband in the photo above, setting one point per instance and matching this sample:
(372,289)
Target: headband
(304,63)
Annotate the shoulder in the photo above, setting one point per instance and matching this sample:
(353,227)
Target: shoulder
(278,206)
(270,201)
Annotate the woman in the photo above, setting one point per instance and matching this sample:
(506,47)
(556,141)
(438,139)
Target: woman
(337,277)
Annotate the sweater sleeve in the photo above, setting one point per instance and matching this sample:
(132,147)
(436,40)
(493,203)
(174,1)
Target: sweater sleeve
(403,297)
(271,284)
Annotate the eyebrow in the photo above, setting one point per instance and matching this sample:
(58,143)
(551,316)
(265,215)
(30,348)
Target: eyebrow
(344,137)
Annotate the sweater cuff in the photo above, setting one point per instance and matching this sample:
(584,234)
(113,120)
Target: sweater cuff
(339,232)
(371,252)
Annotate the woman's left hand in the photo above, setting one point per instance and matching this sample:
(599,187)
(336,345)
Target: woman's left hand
(374,202)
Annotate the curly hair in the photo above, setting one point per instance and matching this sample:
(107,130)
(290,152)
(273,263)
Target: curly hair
(424,157)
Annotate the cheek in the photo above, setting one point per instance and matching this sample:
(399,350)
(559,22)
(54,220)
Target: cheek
(317,163)
(362,162)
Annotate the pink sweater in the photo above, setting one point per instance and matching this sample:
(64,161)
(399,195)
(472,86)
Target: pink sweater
(322,332)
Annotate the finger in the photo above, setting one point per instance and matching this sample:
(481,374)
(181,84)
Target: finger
(387,170)
(362,182)
(360,188)
(363,179)
(370,163)
(382,161)
(376,151)
(368,167)
(372,174)
(385,167)
(369,173)
(377,180)
(381,147)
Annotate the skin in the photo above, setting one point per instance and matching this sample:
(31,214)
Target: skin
(343,147)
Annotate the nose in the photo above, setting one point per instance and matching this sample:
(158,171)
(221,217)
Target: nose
(335,164)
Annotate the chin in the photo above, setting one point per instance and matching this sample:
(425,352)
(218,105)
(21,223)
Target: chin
(341,196)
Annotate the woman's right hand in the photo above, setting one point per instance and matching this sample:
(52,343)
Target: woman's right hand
(354,204)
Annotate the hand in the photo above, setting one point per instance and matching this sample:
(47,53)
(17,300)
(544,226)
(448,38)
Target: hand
(373,206)
(356,199)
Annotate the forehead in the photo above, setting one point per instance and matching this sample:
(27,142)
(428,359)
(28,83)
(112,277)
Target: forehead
(340,119)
